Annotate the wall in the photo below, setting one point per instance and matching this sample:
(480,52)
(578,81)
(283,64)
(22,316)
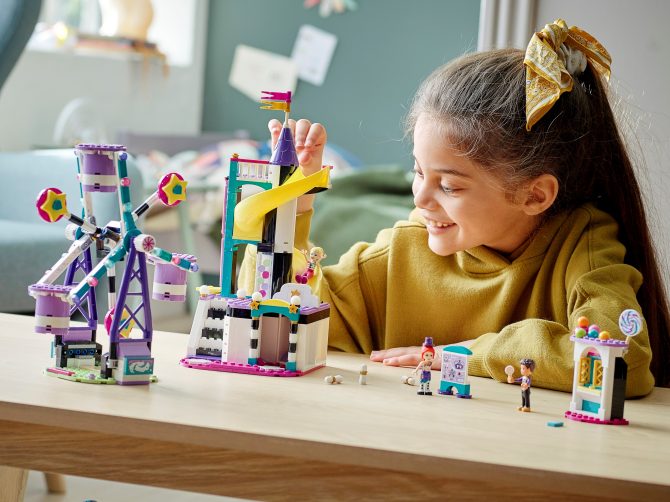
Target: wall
(385,48)
(126,93)
(634,33)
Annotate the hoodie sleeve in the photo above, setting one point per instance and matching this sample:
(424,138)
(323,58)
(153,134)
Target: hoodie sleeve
(596,284)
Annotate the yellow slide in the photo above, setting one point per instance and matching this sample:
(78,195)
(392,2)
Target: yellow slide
(250,212)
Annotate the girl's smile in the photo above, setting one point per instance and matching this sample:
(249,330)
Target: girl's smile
(437,227)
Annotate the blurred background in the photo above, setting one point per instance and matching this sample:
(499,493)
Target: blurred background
(178,81)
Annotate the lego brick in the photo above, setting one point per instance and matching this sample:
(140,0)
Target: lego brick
(274,336)
(215,313)
(312,345)
(236,340)
(199,319)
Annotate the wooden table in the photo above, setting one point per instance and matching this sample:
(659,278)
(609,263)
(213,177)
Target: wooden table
(299,438)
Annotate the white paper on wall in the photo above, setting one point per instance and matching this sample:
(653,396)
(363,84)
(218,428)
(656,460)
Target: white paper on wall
(255,70)
(312,53)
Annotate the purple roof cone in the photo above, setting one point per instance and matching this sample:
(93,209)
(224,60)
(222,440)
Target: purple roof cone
(284,153)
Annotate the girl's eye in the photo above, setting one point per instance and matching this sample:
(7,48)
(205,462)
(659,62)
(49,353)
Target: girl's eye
(449,190)
(417,172)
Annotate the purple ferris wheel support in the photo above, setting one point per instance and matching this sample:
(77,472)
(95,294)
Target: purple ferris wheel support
(87,307)
(135,275)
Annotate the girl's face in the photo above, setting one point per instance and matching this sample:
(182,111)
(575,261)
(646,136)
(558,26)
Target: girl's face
(463,205)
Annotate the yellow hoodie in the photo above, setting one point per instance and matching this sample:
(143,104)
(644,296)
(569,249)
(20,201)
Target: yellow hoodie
(396,291)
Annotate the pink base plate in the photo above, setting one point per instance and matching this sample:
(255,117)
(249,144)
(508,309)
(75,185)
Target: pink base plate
(209,365)
(579,417)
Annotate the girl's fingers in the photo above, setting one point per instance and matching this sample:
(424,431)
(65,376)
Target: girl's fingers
(405,360)
(275,127)
(305,157)
(309,140)
(301,131)
(275,130)
(380,355)
(316,137)
(292,126)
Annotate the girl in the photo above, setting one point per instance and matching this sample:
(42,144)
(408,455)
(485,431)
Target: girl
(528,216)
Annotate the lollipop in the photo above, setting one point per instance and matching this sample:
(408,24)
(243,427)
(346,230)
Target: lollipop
(630,323)
(509,370)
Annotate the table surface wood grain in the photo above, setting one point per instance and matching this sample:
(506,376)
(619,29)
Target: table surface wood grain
(281,438)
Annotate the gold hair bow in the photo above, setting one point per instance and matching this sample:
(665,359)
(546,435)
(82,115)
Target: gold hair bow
(546,74)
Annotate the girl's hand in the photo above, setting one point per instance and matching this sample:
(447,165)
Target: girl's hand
(310,140)
(405,356)
(410,356)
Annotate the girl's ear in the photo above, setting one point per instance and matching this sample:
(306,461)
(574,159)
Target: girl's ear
(540,194)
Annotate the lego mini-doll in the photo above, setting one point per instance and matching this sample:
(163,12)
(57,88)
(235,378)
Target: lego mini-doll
(527,366)
(316,254)
(424,366)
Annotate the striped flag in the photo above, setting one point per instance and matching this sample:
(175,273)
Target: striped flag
(276,100)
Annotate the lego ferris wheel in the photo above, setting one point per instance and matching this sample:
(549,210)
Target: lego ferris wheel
(77,354)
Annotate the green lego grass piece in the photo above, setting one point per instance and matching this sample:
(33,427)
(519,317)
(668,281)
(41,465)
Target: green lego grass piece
(555,424)
(82,375)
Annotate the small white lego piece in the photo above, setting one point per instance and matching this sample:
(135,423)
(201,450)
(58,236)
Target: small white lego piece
(71,231)
(408,380)
(144,243)
(333,379)
(363,375)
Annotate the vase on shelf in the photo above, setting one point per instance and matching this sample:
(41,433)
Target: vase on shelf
(126,18)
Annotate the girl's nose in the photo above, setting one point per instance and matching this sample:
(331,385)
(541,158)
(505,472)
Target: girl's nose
(422,196)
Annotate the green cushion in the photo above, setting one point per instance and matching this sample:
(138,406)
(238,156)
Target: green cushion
(28,245)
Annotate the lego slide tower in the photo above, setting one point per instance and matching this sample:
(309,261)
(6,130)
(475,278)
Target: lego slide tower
(282,328)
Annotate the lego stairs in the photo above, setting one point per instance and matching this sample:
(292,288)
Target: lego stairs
(206,337)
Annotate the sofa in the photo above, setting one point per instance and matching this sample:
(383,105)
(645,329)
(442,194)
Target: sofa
(28,245)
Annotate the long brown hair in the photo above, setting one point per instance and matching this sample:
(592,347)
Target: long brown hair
(479,101)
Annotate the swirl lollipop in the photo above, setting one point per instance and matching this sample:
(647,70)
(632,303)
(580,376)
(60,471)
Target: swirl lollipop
(630,323)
